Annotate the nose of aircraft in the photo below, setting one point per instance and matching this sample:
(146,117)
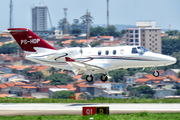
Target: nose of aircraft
(170,60)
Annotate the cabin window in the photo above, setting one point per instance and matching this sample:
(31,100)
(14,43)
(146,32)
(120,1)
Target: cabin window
(99,52)
(134,50)
(122,51)
(107,52)
(114,52)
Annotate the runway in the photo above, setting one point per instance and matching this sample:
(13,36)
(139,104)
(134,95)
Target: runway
(73,108)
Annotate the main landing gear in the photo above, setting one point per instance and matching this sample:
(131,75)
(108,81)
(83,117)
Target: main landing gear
(104,77)
(89,78)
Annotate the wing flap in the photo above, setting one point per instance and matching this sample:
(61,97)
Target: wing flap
(81,67)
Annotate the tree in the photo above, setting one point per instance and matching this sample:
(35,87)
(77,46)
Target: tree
(177,92)
(83,24)
(117,75)
(141,91)
(75,44)
(24,72)
(63,94)
(93,44)
(170,45)
(59,79)
(9,48)
(172,32)
(52,70)
(37,75)
(76,24)
(145,90)
(85,96)
(76,31)
(147,96)
(122,32)
(112,31)
(61,25)
(98,31)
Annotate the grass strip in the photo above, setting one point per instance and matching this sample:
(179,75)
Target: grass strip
(128,116)
(97,100)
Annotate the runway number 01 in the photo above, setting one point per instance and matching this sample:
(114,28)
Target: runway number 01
(89,111)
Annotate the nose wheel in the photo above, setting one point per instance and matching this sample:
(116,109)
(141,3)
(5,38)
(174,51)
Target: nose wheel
(104,77)
(156,73)
(89,78)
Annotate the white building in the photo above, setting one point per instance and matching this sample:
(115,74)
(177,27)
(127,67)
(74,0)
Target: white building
(53,90)
(112,94)
(39,18)
(8,77)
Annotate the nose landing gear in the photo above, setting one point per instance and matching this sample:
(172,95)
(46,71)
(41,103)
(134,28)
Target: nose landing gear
(155,73)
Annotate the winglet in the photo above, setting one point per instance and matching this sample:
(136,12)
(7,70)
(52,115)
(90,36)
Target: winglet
(69,59)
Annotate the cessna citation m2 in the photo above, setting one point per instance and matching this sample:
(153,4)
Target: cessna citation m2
(88,60)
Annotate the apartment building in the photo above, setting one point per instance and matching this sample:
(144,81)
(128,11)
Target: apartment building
(39,18)
(146,34)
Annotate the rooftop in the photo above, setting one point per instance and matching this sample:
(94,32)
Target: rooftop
(3,86)
(77,77)
(8,75)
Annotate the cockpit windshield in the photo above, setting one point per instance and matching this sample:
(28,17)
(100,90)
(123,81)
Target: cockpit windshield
(140,50)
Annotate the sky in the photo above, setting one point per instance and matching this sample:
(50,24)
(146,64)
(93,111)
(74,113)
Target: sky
(125,12)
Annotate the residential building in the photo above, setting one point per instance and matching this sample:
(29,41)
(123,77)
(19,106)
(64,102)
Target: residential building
(77,77)
(8,77)
(39,18)
(81,88)
(171,72)
(149,80)
(106,84)
(163,93)
(129,80)
(118,86)
(95,91)
(112,94)
(45,83)
(146,34)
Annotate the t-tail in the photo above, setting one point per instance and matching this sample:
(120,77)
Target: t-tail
(30,42)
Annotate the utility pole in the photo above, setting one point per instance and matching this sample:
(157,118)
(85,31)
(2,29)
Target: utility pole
(10,16)
(65,14)
(107,13)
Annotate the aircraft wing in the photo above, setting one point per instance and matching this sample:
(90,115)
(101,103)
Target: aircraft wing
(81,67)
(56,56)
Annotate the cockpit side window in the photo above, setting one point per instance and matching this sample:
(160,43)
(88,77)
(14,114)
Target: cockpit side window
(134,51)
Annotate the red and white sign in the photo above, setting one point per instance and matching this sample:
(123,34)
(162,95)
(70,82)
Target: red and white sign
(89,111)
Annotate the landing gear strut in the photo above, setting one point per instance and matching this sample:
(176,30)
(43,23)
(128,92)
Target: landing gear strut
(89,78)
(104,77)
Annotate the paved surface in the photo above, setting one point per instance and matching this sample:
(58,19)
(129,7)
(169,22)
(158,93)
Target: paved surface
(59,108)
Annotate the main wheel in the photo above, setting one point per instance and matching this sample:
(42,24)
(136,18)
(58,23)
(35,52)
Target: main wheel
(89,78)
(156,73)
(104,77)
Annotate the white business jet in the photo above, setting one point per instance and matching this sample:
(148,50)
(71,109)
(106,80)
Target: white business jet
(88,60)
